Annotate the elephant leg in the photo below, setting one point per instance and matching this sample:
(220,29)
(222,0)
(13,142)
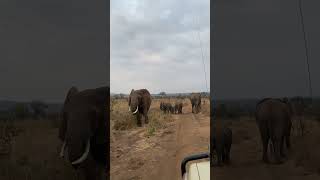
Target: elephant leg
(223,154)
(301,126)
(282,147)
(220,155)
(288,141)
(277,149)
(139,120)
(146,118)
(227,151)
(265,141)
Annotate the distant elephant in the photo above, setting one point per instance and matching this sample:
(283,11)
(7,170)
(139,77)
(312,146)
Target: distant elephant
(161,106)
(273,117)
(164,107)
(195,99)
(221,143)
(298,107)
(139,104)
(171,108)
(84,131)
(167,108)
(178,107)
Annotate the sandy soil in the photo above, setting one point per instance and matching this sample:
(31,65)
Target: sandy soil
(246,154)
(135,156)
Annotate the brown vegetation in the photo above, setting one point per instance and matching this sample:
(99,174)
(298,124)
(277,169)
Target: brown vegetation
(29,150)
(303,158)
(155,150)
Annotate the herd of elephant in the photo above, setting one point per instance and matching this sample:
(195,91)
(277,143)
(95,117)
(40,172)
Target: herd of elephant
(139,102)
(85,142)
(274,121)
(84,127)
(169,108)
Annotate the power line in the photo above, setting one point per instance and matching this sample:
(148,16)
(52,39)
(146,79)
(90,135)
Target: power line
(202,55)
(306,47)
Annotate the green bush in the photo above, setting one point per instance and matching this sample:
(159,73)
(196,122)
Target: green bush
(21,111)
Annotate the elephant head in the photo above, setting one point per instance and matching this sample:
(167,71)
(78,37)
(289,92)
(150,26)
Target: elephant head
(83,130)
(134,101)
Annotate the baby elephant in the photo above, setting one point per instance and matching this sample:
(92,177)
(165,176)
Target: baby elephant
(221,143)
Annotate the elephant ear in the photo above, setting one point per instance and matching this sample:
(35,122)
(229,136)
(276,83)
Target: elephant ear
(132,90)
(129,98)
(63,126)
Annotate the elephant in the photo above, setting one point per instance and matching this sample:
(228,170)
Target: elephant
(171,108)
(221,143)
(178,107)
(166,107)
(139,104)
(195,99)
(84,132)
(298,107)
(161,106)
(273,118)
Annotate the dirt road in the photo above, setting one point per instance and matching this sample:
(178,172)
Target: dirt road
(246,164)
(134,156)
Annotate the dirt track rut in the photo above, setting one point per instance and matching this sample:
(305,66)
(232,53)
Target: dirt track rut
(135,157)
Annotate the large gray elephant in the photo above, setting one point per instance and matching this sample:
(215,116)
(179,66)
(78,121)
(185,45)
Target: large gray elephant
(273,117)
(139,104)
(84,132)
(221,143)
(195,99)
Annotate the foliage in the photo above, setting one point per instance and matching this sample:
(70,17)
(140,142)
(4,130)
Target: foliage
(21,111)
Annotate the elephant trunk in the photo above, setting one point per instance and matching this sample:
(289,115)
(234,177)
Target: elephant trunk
(84,155)
(64,153)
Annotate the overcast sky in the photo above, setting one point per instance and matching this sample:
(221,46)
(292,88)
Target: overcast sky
(47,46)
(260,48)
(155,45)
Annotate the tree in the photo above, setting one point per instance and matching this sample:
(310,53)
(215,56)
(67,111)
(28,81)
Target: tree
(162,94)
(21,111)
(39,109)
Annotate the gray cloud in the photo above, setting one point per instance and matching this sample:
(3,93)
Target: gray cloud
(155,45)
(260,48)
(48,46)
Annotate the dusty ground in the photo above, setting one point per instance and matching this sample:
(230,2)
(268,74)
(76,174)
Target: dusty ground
(34,153)
(302,164)
(135,154)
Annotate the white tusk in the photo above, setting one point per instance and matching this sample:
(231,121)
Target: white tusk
(62,149)
(84,155)
(135,111)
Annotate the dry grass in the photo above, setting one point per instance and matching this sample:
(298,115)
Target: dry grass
(34,151)
(121,119)
(247,148)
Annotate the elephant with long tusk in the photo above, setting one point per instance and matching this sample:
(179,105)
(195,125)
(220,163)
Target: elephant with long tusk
(139,103)
(83,131)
